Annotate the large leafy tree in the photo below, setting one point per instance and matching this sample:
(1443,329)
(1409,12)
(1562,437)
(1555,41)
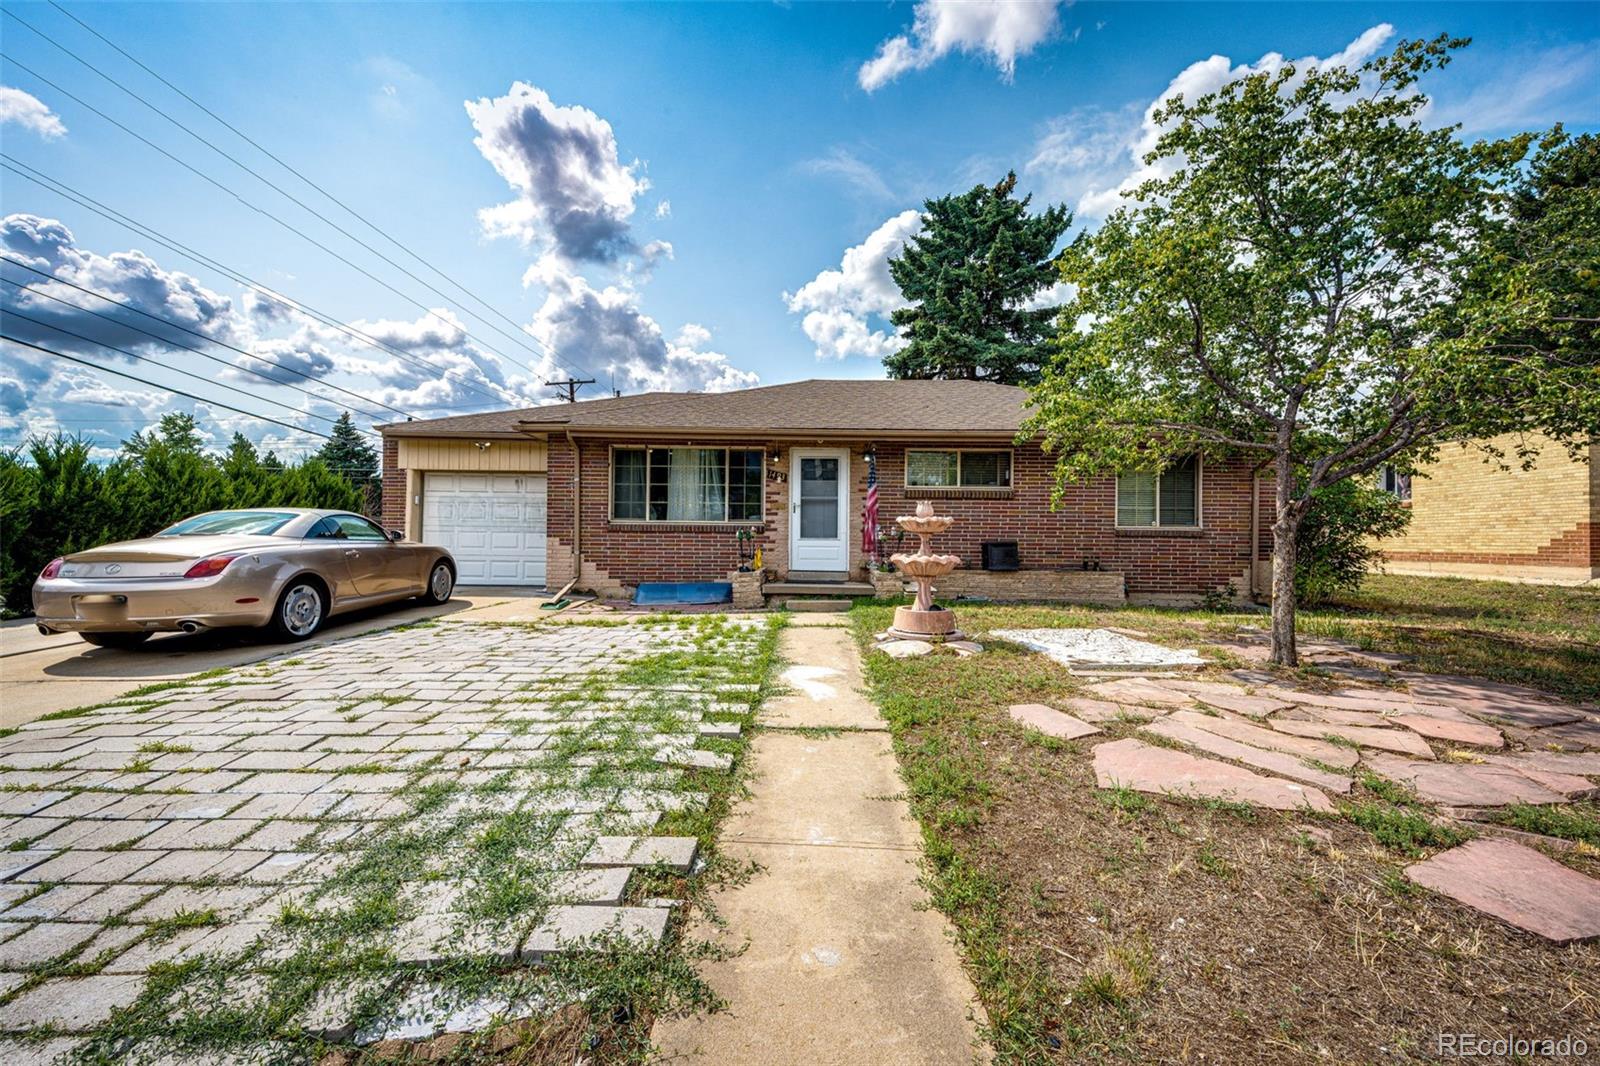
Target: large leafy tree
(971,277)
(1313,283)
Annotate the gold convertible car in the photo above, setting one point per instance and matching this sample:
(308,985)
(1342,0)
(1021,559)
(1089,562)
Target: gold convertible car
(287,568)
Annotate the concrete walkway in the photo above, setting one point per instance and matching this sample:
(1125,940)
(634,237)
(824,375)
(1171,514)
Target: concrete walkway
(845,962)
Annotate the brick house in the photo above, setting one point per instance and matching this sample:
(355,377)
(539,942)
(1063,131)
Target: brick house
(657,487)
(1469,518)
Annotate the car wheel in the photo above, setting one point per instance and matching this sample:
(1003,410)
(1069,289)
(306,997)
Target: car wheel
(300,611)
(441,583)
(115,640)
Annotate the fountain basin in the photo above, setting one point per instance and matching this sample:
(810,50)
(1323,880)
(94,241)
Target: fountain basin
(924,525)
(920,565)
(936,623)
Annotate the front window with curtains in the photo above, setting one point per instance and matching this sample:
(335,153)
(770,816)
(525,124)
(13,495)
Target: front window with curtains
(686,484)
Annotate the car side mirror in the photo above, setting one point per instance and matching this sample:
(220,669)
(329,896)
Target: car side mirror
(396,535)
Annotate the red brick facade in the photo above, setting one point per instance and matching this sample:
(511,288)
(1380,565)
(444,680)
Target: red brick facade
(1172,563)
(394,486)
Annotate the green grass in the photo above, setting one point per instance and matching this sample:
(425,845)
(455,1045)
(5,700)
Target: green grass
(1578,822)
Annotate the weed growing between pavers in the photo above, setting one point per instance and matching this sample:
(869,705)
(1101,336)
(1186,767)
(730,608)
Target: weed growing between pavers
(579,758)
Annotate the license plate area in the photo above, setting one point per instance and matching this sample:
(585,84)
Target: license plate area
(101,607)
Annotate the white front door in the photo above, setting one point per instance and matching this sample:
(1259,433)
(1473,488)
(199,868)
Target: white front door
(819,509)
(494,525)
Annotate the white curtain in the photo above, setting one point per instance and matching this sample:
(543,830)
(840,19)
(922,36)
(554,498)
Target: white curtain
(697,489)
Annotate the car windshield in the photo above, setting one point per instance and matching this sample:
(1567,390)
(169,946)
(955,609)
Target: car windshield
(247,523)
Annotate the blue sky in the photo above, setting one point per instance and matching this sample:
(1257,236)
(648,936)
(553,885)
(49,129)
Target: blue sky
(682,195)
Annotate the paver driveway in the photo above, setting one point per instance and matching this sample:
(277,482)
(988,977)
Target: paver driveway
(262,859)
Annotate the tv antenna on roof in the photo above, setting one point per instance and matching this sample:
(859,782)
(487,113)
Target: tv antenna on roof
(572,385)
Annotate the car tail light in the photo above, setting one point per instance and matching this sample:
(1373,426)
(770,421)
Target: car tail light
(53,569)
(212,565)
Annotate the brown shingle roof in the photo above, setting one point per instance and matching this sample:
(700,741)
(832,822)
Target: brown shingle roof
(798,409)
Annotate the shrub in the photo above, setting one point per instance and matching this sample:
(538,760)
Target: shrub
(56,498)
(1334,545)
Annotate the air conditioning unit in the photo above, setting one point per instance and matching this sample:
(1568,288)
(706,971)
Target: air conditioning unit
(1001,555)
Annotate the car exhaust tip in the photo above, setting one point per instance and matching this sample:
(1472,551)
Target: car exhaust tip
(45,631)
(190,627)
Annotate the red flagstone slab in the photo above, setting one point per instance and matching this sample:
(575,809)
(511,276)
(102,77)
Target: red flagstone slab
(1457,785)
(1584,734)
(1272,761)
(1328,714)
(1517,885)
(1561,762)
(1050,721)
(1376,701)
(1134,764)
(1138,690)
(1256,736)
(1385,739)
(1103,710)
(1569,785)
(1513,703)
(1239,703)
(1202,688)
(1483,736)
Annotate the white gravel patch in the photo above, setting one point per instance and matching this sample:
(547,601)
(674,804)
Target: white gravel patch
(1099,647)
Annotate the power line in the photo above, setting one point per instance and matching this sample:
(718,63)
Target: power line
(163,366)
(186,329)
(570,387)
(62,189)
(163,388)
(519,336)
(184,347)
(262,211)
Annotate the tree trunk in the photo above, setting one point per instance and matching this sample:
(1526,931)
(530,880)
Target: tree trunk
(1284,528)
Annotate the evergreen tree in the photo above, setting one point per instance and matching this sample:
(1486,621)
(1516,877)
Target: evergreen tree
(347,452)
(970,277)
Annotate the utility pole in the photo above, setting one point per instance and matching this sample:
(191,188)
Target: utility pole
(572,385)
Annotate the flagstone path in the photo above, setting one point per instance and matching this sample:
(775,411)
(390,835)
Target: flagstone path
(305,835)
(1251,738)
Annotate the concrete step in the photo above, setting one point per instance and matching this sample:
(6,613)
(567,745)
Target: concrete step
(817,605)
(817,588)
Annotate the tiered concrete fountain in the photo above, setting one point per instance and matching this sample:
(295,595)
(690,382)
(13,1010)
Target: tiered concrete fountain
(924,620)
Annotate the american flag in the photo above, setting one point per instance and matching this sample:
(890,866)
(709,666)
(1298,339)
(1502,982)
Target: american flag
(869,515)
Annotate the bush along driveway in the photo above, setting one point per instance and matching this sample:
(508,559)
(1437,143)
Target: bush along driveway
(1348,862)
(429,830)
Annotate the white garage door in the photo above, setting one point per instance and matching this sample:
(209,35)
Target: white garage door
(494,524)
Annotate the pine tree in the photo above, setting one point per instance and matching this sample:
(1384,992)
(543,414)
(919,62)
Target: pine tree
(970,277)
(348,453)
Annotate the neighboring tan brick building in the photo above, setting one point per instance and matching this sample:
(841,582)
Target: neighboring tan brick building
(685,486)
(1469,518)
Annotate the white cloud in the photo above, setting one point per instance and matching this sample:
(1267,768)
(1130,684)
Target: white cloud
(1523,90)
(858,175)
(1001,30)
(29,112)
(1193,82)
(574,193)
(604,330)
(664,209)
(1082,150)
(840,306)
(132,278)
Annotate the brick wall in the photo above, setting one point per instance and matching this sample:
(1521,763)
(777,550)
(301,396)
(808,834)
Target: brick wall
(1469,518)
(1157,565)
(620,555)
(394,486)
